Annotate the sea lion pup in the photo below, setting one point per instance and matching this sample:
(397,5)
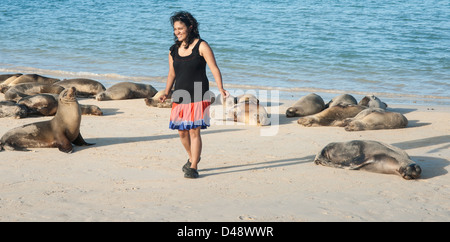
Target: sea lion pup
(306,105)
(370,156)
(40,104)
(372,101)
(59,132)
(249,112)
(375,118)
(85,87)
(154,101)
(127,90)
(27,78)
(341,99)
(19,91)
(9,109)
(47,104)
(332,116)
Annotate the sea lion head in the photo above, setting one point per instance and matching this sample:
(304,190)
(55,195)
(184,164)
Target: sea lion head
(68,95)
(101,96)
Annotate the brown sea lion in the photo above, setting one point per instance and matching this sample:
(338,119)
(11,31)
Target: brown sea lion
(41,104)
(9,109)
(19,91)
(5,77)
(306,105)
(341,99)
(87,109)
(59,132)
(85,87)
(370,156)
(154,101)
(47,105)
(375,118)
(127,90)
(249,112)
(332,116)
(27,78)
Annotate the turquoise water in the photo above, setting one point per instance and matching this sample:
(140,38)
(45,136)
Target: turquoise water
(396,49)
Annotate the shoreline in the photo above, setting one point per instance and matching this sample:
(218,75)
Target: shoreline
(133,172)
(294,93)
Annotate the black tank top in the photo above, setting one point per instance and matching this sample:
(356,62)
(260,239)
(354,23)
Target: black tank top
(190,75)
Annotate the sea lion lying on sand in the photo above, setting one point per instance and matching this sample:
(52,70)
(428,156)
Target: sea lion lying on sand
(306,105)
(154,101)
(47,105)
(59,132)
(370,156)
(341,99)
(375,118)
(248,111)
(27,78)
(127,90)
(85,87)
(332,116)
(19,91)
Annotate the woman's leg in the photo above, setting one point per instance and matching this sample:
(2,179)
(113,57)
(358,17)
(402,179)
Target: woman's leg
(185,141)
(196,146)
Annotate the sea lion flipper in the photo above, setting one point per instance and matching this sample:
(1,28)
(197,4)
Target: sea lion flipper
(80,141)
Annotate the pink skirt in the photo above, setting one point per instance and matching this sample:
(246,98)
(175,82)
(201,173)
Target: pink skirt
(190,115)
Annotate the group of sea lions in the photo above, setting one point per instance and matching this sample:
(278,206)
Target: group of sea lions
(344,111)
(63,129)
(369,114)
(32,94)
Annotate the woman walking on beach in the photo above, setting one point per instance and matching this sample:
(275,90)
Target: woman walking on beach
(187,69)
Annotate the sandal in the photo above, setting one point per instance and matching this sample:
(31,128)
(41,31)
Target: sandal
(191,173)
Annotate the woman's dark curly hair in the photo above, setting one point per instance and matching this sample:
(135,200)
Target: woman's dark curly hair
(190,22)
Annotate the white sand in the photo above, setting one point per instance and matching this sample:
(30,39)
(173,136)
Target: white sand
(133,173)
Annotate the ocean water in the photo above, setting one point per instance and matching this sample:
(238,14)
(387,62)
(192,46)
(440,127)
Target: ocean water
(398,50)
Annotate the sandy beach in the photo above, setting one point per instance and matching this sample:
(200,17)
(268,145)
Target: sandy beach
(133,172)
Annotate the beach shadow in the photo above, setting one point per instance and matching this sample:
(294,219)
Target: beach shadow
(99,142)
(110,111)
(412,144)
(256,166)
(416,123)
(431,166)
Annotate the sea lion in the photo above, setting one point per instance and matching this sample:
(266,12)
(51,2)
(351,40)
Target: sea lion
(5,77)
(154,101)
(40,104)
(47,104)
(127,90)
(375,118)
(306,105)
(370,156)
(88,109)
(27,78)
(372,101)
(341,99)
(19,91)
(85,87)
(332,116)
(249,112)
(59,132)
(10,109)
